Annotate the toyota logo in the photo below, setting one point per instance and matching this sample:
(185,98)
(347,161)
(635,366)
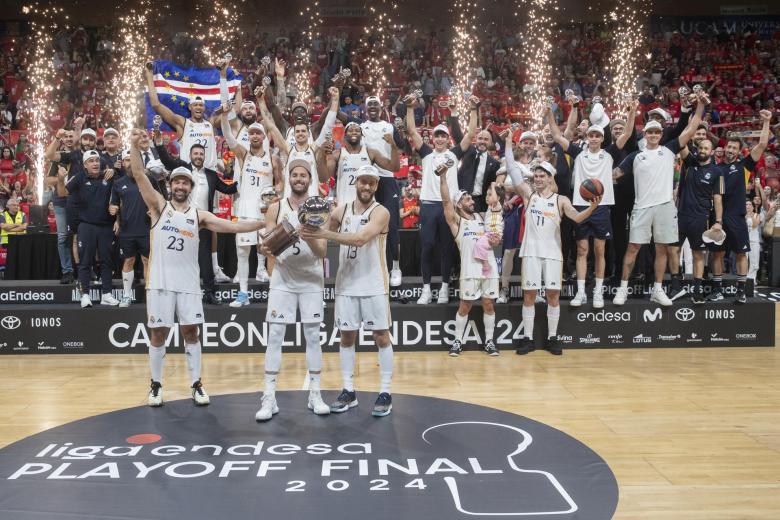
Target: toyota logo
(685,314)
(10,322)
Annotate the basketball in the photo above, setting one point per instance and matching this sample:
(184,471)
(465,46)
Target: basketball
(591,188)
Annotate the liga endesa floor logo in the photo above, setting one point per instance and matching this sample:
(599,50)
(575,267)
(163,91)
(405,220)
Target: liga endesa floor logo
(431,459)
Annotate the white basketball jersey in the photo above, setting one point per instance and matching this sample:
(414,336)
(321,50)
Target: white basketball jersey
(256,175)
(374,137)
(297,269)
(199,133)
(290,137)
(349,163)
(588,165)
(308,156)
(173,251)
(362,270)
(243,140)
(469,232)
(542,238)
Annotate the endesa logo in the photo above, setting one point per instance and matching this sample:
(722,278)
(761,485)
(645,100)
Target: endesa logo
(26,296)
(604,316)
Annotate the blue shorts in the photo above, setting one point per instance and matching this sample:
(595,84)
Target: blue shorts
(598,225)
(131,246)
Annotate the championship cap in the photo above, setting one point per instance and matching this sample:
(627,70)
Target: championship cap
(181,171)
(544,165)
(256,126)
(598,116)
(196,99)
(369,99)
(653,125)
(441,128)
(299,104)
(352,123)
(367,170)
(595,128)
(299,163)
(249,103)
(528,135)
(661,112)
(459,196)
(110,130)
(713,236)
(89,154)
(88,131)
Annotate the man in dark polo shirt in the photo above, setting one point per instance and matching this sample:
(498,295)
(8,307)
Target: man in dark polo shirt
(93,190)
(134,224)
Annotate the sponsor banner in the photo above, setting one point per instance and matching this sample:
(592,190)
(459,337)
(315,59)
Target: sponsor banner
(763,26)
(106,330)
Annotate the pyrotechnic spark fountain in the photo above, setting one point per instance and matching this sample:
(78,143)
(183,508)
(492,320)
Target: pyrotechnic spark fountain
(463,51)
(537,49)
(627,23)
(126,82)
(376,42)
(216,25)
(303,55)
(44,24)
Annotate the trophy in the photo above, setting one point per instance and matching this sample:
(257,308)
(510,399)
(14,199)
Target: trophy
(156,122)
(683,91)
(266,81)
(440,162)
(345,73)
(314,212)
(283,236)
(265,61)
(267,197)
(697,89)
(597,99)
(569,93)
(515,127)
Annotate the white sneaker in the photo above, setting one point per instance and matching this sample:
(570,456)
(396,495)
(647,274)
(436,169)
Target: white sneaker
(580,299)
(262,276)
(620,296)
(85,301)
(503,296)
(235,278)
(108,299)
(659,296)
(444,296)
(316,404)
(425,297)
(155,395)
(125,302)
(598,300)
(395,278)
(220,276)
(267,409)
(199,395)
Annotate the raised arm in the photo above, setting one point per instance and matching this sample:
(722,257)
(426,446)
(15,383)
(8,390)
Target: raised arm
(324,126)
(514,169)
(52,151)
(471,133)
(411,128)
(686,135)
(446,201)
(327,160)
(630,125)
(571,122)
(269,123)
(763,141)
(153,200)
(236,147)
(174,120)
(220,225)
(555,131)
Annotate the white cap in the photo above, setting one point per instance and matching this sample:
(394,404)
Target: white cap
(256,126)
(528,135)
(441,128)
(110,130)
(197,99)
(661,112)
(653,125)
(544,165)
(352,123)
(88,131)
(181,171)
(89,154)
(373,98)
(598,116)
(459,196)
(595,128)
(248,103)
(367,170)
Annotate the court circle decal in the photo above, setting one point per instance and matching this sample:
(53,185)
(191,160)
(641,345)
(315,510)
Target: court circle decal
(431,459)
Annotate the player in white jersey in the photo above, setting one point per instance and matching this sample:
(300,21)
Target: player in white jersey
(344,163)
(195,129)
(591,161)
(301,148)
(173,278)
(297,283)
(467,227)
(541,250)
(362,289)
(258,170)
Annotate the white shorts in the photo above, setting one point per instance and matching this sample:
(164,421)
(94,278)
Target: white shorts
(656,222)
(250,238)
(373,312)
(162,305)
(283,307)
(476,288)
(540,273)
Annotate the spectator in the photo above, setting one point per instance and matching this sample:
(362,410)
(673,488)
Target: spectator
(13,222)
(7,163)
(410,209)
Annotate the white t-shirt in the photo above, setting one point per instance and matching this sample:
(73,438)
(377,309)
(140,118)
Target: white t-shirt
(374,137)
(431,189)
(653,172)
(589,165)
(200,192)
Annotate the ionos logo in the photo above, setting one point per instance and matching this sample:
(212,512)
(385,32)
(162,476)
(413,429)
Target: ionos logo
(602,316)
(719,314)
(394,468)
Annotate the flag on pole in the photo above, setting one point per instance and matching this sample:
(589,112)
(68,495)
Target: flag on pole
(176,86)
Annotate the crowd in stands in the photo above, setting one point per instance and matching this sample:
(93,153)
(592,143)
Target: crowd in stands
(739,71)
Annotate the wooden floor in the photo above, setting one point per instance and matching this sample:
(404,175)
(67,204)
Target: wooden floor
(691,434)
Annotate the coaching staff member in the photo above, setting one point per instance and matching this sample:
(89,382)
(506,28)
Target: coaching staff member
(477,169)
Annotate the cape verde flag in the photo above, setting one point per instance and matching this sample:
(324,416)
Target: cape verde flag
(176,86)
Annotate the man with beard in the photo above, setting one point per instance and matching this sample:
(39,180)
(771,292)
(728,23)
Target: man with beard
(257,171)
(477,169)
(297,282)
(730,195)
(362,291)
(132,225)
(467,226)
(93,190)
(301,149)
(61,213)
(194,130)
(434,230)
(206,183)
(654,216)
(172,285)
(344,163)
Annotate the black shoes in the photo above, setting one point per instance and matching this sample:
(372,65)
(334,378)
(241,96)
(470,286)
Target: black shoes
(526,345)
(553,346)
(209,296)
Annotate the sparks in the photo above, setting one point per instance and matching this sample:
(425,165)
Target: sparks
(303,56)
(374,42)
(537,49)
(627,23)
(463,45)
